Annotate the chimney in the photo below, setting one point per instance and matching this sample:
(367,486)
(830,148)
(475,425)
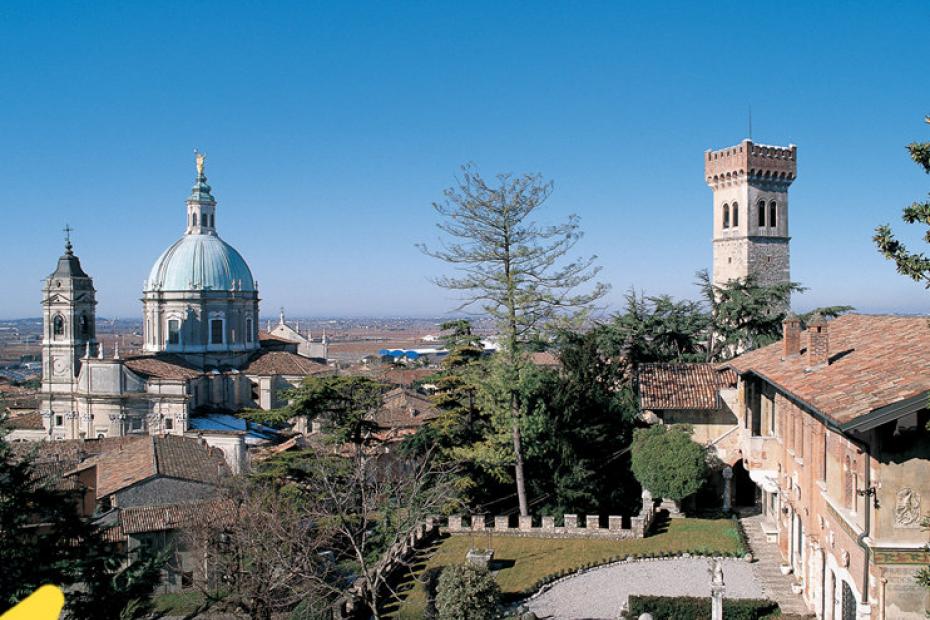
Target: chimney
(818,342)
(791,334)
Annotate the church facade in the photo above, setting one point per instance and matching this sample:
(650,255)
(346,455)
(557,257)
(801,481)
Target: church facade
(202,351)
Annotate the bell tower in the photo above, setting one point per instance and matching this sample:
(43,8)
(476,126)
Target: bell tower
(750,183)
(69,322)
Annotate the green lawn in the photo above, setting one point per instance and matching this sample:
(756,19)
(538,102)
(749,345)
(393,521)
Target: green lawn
(524,561)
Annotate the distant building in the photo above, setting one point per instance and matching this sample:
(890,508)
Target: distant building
(202,350)
(306,346)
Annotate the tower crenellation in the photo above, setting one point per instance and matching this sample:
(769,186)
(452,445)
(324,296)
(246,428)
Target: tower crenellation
(750,183)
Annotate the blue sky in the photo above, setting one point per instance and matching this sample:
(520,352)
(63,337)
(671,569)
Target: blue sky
(330,128)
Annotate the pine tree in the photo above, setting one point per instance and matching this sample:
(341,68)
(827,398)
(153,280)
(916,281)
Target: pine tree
(513,269)
(915,265)
(44,540)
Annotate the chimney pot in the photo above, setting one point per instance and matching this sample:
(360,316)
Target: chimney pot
(818,342)
(791,334)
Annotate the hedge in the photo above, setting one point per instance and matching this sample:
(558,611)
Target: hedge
(697,608)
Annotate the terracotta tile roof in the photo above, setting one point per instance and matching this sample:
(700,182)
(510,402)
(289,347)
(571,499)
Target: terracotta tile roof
(546,359)
(267,363)
(403,408)
(169,456)
(268,336)
(404,377)
(26,421)
(139,519)
(875,361)
(162,367)
(72,450)
(681,386)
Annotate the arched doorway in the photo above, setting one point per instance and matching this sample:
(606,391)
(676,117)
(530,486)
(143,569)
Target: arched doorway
(744,489)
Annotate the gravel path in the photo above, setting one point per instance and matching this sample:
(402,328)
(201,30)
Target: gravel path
(600,593)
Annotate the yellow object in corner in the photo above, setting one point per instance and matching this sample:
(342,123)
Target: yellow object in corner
(43,604)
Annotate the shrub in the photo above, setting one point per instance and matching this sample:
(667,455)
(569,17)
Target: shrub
(667,462)
(466,592)
(697,608)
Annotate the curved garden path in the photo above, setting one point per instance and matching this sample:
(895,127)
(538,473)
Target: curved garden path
(599,593)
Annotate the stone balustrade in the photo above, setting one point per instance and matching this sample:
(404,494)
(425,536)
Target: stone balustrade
(575,526)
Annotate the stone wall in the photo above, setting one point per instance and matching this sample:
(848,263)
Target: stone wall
(574,526)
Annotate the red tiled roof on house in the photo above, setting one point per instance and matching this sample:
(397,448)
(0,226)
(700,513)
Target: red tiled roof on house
(874,361)
(26,421)
(681,386)
(403,408)
(149,456)
(162,367)
(139,519)
(545,359)
(267,363)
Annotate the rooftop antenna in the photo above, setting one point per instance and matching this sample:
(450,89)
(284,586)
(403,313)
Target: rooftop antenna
(750,122)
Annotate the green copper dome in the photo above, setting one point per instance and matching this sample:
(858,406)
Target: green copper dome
(200,262)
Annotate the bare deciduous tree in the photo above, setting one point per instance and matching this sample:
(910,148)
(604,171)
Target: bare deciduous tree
(336,526)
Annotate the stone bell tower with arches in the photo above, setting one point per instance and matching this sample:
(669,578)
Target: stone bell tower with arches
(68,329)
(750,183)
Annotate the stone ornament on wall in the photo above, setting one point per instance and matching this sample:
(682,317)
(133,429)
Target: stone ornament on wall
(907,508)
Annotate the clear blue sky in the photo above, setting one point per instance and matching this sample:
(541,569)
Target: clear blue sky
(330,128)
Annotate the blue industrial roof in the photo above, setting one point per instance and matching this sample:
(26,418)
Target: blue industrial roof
(230,423)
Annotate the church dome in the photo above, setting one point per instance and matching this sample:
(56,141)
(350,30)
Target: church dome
(200,261)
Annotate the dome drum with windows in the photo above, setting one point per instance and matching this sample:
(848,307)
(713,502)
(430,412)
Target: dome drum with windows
(200,297)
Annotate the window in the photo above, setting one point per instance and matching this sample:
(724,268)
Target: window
(761,213)
(100,435)
(174,331)
(772,213)
(135,424)
(726,216)
(248,330)
(58,325)
(169,424)
(84,326)
(735,214)
(59,420)
(193,219)
(216,331)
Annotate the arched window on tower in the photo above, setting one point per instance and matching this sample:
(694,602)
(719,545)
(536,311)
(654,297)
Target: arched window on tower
(761,213)
(772,219)
(726,215)
(58,325)
(248,330)
(193,219)
(84,326)
(735,214)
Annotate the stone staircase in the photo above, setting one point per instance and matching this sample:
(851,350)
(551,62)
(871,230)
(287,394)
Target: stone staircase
(768,560)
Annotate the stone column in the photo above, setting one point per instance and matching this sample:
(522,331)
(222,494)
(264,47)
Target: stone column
(727,478)
(717,590)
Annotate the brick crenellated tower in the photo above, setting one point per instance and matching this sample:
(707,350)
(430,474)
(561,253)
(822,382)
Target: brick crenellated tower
(750,183)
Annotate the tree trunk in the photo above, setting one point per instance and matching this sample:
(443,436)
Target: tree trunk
(518,461)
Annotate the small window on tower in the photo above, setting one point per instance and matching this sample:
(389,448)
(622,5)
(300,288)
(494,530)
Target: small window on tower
(85,326)
(248,330)
(174,331)
(59,420)
(58,325)
(761,213)
(169,424)
(216,331)
(772,213)
(726,215)
(193,219)
(735,214)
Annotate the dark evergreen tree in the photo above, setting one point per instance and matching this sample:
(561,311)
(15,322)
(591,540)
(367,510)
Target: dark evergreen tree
(45,540)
